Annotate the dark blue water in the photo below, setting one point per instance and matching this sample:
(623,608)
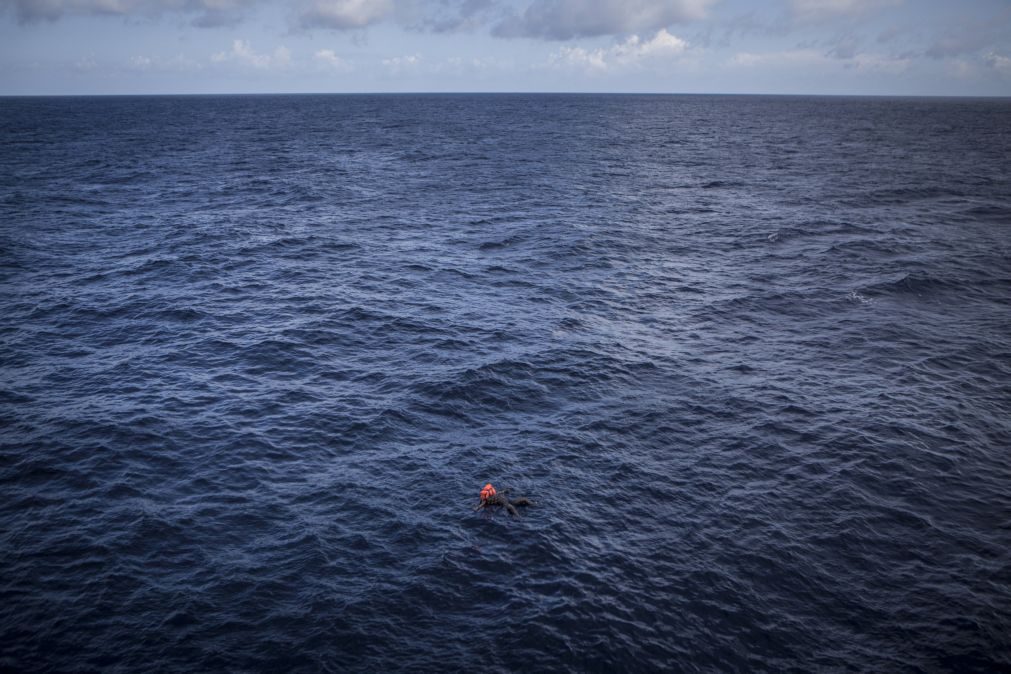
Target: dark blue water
(750,356)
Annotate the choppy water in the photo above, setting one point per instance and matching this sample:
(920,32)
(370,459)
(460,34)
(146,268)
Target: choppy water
(750,356)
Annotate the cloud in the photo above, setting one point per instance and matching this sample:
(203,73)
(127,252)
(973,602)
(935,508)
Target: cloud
(85,64)
(344,14)
(177,63)
(970,36)
(544,19)
(207,13)
(329,58)
(29,11)
(998,62)
(816,60)
(399,64)
(457,64)
(567,19)
(956,42)
(961,69)
(844,48)
(817,9)
(790,57)
(624,54)
(879,63)
(243,54)
(445,16)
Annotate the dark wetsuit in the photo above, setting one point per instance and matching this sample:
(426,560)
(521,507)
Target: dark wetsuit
(500,499)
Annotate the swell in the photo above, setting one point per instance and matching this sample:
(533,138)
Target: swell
(260,353)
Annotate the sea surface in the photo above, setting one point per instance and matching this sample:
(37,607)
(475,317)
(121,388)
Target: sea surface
(750,356)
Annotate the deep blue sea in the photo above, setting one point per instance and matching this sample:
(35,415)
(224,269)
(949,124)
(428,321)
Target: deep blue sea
(750,356)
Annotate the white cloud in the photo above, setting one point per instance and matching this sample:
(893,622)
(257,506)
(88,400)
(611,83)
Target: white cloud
(344,14)
(998,62)
(399,64)
(567,19)
(595,59)
(790,57)
(632,51)
(476,63)
(243,53)
(481,68)
(140,62)
(85,64)
(177,63)
(329,58)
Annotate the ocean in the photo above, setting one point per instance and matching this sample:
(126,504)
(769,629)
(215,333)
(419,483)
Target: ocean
(750,357)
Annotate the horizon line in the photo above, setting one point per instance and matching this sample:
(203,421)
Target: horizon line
(502,93)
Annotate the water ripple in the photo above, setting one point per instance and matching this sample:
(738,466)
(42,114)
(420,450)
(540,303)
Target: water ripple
(260,353)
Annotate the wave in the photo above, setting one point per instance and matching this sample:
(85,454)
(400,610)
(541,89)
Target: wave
(249,399)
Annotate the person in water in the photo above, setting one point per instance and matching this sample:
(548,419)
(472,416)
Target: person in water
(491,497)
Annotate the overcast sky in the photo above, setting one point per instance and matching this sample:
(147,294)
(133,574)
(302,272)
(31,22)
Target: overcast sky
(904,47)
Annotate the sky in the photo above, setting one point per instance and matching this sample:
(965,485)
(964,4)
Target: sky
(863,47)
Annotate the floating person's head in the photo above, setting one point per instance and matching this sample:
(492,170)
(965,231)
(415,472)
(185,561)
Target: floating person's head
(487,492)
